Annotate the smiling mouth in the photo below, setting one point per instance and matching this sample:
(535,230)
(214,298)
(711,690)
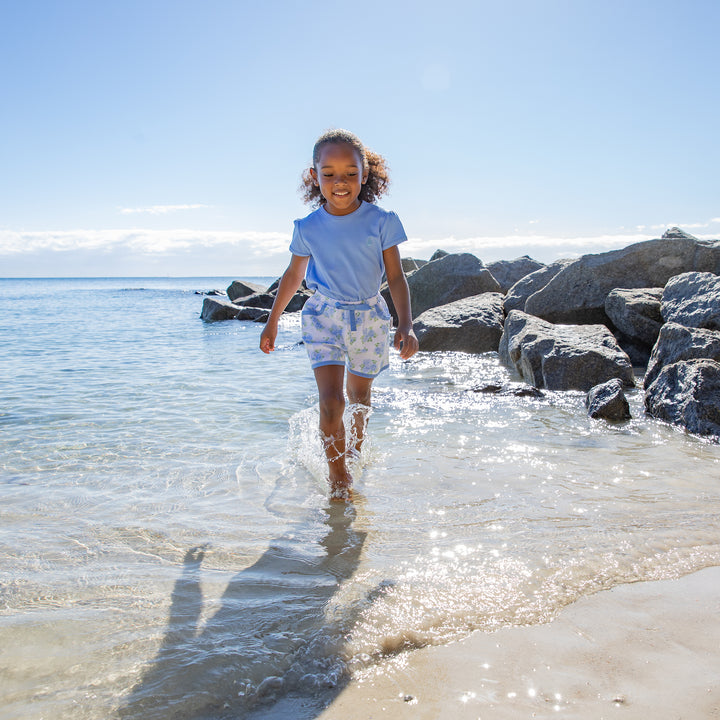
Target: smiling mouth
(341,193)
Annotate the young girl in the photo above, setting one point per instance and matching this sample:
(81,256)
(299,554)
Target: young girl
(344,246)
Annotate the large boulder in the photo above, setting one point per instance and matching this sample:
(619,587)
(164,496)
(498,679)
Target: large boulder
(451,277)
(607,401)
(508,272)
(216,309)
(677,343)
(577,293)
(693,299)
(472,325)
(518,294)
(562,357)
(239,289)
(687,394)
(635,312)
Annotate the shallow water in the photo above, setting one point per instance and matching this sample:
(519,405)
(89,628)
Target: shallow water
(168,548)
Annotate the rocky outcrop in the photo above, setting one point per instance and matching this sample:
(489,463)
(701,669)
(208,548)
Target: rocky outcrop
(687,394)
(472,325)
(518,294)
(509,272)
(577,293)
(238,289)
(608,402)
(693,300)
(562,357)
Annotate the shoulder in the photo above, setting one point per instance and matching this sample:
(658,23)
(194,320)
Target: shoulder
(309,219)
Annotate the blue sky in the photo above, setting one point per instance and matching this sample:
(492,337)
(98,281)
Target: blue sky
(167,137)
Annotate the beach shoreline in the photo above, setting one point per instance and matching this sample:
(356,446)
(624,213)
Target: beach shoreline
(642,650)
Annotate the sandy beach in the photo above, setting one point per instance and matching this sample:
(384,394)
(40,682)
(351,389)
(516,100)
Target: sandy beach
(647,650)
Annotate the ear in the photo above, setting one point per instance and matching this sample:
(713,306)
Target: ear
(365,175)
(314,177)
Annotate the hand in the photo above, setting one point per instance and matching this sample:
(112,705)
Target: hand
(406,342)
(267,339)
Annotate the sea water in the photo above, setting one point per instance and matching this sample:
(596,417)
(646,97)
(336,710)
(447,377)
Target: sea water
(167,548)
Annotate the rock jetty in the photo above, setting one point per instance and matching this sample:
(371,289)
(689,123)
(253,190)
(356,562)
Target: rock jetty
(589,324)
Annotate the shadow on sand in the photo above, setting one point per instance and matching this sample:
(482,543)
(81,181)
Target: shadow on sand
(270,640)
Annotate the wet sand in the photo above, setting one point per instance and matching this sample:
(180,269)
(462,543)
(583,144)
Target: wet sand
(647,650)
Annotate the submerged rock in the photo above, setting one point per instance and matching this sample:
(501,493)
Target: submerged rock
(608,402)
(472,325)
(562,357)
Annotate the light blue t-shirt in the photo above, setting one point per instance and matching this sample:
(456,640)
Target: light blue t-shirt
(346,261)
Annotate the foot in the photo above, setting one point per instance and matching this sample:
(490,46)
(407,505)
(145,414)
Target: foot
(341,488)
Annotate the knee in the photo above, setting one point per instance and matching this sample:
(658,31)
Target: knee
(332,406)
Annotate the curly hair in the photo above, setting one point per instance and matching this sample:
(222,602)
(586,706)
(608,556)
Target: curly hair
(378,177)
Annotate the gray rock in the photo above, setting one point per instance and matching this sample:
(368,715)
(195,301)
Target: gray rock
(562,357)
(438,254)
(216,309)
(687,394)
(411,264)
(511,389)
(518,294)
(635,312)
(447,279)
(252,313)
(608,402)
(257,300)
(238,289)
(577,293)
(677,343)
(693,299)
(509,272)
(472,325)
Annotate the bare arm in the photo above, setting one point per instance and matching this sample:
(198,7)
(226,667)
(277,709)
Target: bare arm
(289,283)
(405,340)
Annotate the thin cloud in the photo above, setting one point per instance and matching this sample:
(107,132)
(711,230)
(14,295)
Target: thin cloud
(162,209)
(140,241)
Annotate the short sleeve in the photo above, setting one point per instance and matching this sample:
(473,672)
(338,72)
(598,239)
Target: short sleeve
(393,232)
(298,246)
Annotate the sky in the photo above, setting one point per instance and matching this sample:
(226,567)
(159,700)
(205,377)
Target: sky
(168,137)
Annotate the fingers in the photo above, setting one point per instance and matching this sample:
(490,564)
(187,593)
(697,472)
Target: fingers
(406,343)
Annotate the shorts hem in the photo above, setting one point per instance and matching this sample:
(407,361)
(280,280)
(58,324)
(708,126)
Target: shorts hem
(328,362)
(368,375)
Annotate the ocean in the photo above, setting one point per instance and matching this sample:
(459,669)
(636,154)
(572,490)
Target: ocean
(167,548)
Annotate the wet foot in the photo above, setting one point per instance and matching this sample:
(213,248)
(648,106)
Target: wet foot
(341,488)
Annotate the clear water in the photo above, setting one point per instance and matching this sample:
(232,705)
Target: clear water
(166,544)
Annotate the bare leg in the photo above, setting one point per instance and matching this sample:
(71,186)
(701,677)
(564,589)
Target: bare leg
(359,391)
(329,380)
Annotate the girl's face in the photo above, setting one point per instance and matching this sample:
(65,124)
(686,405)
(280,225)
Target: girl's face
(340,176)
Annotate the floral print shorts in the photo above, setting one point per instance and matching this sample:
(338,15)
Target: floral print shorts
(347,333)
